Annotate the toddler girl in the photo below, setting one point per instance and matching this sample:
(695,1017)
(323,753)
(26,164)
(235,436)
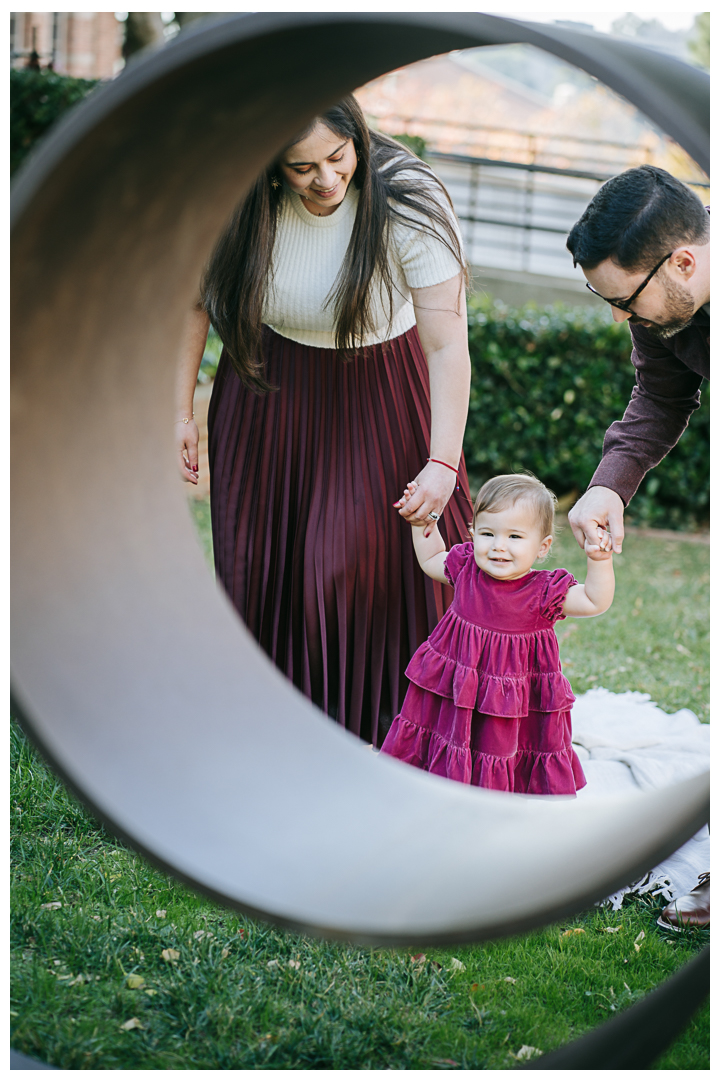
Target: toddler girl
(487,703)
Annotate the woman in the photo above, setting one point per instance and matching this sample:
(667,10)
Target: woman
(338,292)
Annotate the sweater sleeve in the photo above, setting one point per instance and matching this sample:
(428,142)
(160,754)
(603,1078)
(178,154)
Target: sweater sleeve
(421,245)
(665,395)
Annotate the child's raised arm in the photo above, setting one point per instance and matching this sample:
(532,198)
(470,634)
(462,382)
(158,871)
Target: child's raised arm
(430,550)
(596,595)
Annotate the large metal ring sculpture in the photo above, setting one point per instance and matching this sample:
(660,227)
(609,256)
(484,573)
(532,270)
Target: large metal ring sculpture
(130,669)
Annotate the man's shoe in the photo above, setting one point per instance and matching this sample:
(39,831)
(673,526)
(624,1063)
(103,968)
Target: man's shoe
(690,910)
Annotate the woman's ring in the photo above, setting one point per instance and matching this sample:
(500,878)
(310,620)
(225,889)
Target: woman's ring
(433,516)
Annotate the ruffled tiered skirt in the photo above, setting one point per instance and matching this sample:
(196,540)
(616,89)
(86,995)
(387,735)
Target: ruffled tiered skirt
(307,544)
(494,713)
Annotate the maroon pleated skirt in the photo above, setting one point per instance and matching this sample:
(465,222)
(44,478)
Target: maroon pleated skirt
(307,544)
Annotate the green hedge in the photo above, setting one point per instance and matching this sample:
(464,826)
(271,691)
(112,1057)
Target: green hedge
(547,383)
(37,100)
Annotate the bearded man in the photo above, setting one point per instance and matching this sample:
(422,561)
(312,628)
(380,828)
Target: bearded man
(644,246)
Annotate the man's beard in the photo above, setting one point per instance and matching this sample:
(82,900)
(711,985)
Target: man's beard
(680,308)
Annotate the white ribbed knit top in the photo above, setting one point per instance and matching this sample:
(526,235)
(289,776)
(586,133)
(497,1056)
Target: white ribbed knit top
(307,258)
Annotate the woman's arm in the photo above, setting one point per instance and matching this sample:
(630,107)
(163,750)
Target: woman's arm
(596,595)
(191,354)
(441,316)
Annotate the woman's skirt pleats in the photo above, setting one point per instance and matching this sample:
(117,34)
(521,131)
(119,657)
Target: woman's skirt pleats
(307,544)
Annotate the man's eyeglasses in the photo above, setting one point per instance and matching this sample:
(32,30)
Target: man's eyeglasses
(624,305)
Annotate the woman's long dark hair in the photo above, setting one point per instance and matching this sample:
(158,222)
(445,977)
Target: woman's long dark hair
(236,279)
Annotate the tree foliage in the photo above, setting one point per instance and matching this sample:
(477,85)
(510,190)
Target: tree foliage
(699,43)
(37,100)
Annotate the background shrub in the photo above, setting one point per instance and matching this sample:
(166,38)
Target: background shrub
(37,100)
(547,383)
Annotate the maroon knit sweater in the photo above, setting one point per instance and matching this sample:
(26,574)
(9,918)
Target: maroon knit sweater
(668,375)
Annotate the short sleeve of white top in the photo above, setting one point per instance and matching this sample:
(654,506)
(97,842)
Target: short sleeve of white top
(307,258)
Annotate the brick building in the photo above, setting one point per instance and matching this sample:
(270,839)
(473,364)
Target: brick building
(86,44)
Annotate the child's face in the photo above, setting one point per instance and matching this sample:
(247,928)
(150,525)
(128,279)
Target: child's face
(508,541)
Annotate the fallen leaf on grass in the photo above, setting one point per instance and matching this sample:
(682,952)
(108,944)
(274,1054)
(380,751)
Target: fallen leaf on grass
(509,978)
(294,964)
(573,930)
(52,906)
(170,954)
(135,982)
(419,958)
(456,965)
(610,929)
(525,1052)
(273,963)
(683,650)
(130,1025)
(96,918)
(160,913)
(637,944)
(224,954)
(151,993)
(77,981)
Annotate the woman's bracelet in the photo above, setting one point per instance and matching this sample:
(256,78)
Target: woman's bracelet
(186,419)
(439,462)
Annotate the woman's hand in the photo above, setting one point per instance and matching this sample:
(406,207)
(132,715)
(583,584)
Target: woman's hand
(429,492)
(187,439)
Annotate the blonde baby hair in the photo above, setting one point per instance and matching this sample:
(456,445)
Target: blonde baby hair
(506,490)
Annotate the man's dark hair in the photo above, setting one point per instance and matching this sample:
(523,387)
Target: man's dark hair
(636,218)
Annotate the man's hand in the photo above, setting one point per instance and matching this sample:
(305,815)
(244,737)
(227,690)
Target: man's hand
(599,508)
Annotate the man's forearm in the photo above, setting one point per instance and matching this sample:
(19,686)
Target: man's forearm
(634,445)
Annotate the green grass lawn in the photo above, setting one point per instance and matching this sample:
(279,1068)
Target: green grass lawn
(135,971)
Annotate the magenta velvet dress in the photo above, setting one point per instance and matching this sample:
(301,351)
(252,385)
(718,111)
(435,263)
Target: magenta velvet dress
(488,703)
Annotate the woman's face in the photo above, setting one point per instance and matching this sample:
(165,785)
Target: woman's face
(319,168)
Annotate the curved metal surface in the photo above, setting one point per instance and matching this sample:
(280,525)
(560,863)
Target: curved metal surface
(129,667)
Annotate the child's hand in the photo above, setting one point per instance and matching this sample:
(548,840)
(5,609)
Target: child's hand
(407,494)
(603,549)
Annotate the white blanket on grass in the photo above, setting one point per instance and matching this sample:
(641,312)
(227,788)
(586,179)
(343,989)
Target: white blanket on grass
(626,743)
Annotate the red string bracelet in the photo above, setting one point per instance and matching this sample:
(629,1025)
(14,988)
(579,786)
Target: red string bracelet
(439,462)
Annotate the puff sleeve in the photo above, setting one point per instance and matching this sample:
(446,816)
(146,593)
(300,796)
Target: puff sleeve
(552,596)
(457,560)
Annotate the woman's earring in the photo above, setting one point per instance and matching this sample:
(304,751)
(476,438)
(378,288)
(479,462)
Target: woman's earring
(274,182)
